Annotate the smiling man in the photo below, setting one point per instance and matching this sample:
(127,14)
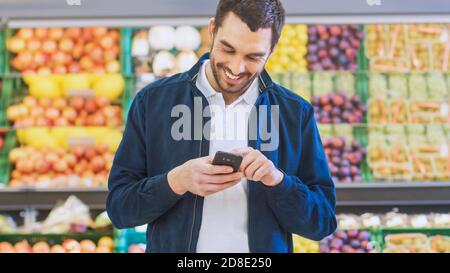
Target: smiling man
(170,183)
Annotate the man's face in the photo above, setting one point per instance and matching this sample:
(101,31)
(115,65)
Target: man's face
(238,55)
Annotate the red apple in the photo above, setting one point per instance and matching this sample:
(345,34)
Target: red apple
(55,34)
(52,113)
(99,32)
(113,67)
(41,33)
(90,105)
(107,42)
(25,33)
(66,45)
(77,103)
(33,45)
(49,46)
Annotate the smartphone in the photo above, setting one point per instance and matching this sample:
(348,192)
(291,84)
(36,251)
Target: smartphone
(228,159)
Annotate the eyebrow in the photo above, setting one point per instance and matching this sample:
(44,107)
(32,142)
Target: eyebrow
(256,54)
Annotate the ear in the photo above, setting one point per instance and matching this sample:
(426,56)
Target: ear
(211,28)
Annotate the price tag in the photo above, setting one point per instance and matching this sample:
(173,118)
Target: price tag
(85,93)
(81,141)
(444,109)
(443,151)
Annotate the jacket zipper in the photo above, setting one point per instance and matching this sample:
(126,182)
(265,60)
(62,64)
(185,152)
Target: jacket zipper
(196,196)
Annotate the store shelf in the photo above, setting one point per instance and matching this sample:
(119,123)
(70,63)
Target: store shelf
(12,199)
(394,194)
(359,196)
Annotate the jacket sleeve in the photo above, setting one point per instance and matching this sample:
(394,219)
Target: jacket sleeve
(304,204)
(135,199)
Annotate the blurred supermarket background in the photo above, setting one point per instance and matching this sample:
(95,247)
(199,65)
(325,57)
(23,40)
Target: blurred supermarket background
(376,72)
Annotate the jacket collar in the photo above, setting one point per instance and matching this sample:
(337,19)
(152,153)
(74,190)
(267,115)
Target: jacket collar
(264,79)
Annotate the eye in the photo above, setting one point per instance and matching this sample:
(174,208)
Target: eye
(228,51)
(253,59)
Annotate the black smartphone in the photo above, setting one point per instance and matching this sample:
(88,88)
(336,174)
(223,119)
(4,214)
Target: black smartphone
(228,159)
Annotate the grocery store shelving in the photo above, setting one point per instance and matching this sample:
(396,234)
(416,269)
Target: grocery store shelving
(351,197)
(13,199)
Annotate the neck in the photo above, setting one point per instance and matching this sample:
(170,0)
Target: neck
(229,98)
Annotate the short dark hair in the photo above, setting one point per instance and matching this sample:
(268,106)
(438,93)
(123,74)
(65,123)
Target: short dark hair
(255,13)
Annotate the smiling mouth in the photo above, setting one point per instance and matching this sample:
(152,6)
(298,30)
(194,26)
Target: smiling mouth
(231,76)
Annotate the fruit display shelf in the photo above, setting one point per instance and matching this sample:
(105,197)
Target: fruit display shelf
(165,50)
(408,47)
(63,50)
(88,242)
(414,240)
(353,197)
(5,164)
(130,240)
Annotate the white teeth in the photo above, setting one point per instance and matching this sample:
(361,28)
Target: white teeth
(230,76)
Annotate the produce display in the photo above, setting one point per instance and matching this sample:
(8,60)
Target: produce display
(78,166)
(414,99)
(337,108)
(77,111)
(48,51)
(291,50)
(347,241)
(104,245)
(333,47)
(408,47)
(409,153)
(393,220)
(136,248)
(303,245)
(165,50)
(2,140)
(388,122)
(344,159)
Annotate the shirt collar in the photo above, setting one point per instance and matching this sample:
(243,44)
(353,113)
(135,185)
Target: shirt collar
(250,96)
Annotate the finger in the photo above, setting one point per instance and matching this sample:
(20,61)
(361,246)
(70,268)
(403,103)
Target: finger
(251,169)
(242,151)
(222,178)
(215,169)
(213,188)
(248,159)
(261,172)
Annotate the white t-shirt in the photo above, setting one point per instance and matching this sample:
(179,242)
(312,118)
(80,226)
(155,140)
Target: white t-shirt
(224,225)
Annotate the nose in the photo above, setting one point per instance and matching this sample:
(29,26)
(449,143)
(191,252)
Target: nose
(237,66)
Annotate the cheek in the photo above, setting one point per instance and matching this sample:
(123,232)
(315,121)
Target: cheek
(254,68)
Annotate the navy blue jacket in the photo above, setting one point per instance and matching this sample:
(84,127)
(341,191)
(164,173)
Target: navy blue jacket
(303,203)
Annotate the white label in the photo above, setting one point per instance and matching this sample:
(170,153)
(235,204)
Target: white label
(86,93)
(81,141)
(444,109)
(443,151)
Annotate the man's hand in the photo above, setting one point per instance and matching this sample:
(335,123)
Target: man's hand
(200,177)
(257,167)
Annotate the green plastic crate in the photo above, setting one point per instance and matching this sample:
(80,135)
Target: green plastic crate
(363,61)
(5,164)
(128,96)
(126,237)
(383,232)
(2,51)
(125,51)
(53,239)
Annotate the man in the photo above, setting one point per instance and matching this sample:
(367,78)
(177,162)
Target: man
(163,174)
